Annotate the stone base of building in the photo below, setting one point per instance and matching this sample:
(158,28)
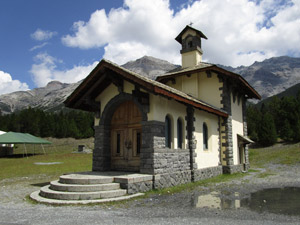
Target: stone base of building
(145,182)
(134,188)
(171,179)
(206,173)
(235,168)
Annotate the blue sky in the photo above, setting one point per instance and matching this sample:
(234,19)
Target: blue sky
(47,40)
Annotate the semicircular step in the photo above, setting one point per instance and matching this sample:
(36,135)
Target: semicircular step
(57,186)
(46,192)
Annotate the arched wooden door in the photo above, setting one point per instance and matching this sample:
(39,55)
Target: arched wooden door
(126,138)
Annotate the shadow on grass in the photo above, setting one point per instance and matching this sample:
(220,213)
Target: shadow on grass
(17,156)
(40,184)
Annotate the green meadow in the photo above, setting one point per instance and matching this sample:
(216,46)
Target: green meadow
(61,157)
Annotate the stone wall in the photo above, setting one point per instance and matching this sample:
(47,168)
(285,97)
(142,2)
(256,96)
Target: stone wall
(133,188)
(171,179)
(101,153)
(244,107)
(227,136)
(235,168)
(205,173)
(153,133)
(170,167)
(171,160)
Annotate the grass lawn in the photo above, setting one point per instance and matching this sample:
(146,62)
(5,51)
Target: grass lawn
(278,154)
(61,151)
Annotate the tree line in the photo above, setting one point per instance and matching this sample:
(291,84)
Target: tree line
(76,124)
(278,118)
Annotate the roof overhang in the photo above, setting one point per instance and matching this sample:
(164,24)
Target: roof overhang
(242,83)
(198,32)
(106,72)
(245,139)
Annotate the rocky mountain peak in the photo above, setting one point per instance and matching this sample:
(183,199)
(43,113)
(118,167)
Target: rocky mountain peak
(268,77)
(149,66)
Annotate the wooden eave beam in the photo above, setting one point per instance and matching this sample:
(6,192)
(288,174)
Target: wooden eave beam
(163,92)
(90,90)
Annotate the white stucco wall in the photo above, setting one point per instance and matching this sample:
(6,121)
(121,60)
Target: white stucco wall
(208,157)
(200,86)
(209,89)
(237,126)
(160,107)
(190,59)
(190,85)
(178,83)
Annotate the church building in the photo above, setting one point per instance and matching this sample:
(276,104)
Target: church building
(187,125)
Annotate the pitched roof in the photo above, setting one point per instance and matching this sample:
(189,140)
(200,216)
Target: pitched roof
(21,138)
(248,89)
(179,37)
(101,76)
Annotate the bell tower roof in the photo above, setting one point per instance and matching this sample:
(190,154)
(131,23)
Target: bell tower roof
(198,32)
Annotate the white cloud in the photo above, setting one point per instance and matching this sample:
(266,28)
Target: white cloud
(38,46)
(42,35)
(46,69)
(239,31)
(8,85)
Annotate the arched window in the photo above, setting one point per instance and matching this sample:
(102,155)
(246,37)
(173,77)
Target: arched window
(205,136)
(179,133)
(168,136)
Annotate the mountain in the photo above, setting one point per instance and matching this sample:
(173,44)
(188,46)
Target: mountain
(49,98)
(268,77)
(292,91)
(149,66)
(52,96)
(271,76)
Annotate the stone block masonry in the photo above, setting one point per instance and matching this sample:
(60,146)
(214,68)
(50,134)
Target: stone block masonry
(171,179)
(137,187)
(171,160)
(235,168)
(206,173)
(101,153)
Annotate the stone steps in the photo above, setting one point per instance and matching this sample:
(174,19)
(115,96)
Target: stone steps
(93,187)
(36,197)
(81,189)
(85,179)
(57,186)
(46,192)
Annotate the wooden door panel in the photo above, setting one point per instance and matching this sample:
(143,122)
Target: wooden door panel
(117,142)
(126,137)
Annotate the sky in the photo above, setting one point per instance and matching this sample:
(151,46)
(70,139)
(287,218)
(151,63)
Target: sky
(47,40)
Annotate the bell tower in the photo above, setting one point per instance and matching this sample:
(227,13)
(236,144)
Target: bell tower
(191,52)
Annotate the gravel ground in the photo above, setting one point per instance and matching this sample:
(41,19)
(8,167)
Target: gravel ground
(180,208)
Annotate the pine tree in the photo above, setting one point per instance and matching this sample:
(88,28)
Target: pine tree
(253,121)
(286,131)
(296,136)
(267,132)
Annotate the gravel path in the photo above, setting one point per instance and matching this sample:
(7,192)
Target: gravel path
(180,208)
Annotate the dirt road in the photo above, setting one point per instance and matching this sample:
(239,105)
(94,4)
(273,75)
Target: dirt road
(222,203)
